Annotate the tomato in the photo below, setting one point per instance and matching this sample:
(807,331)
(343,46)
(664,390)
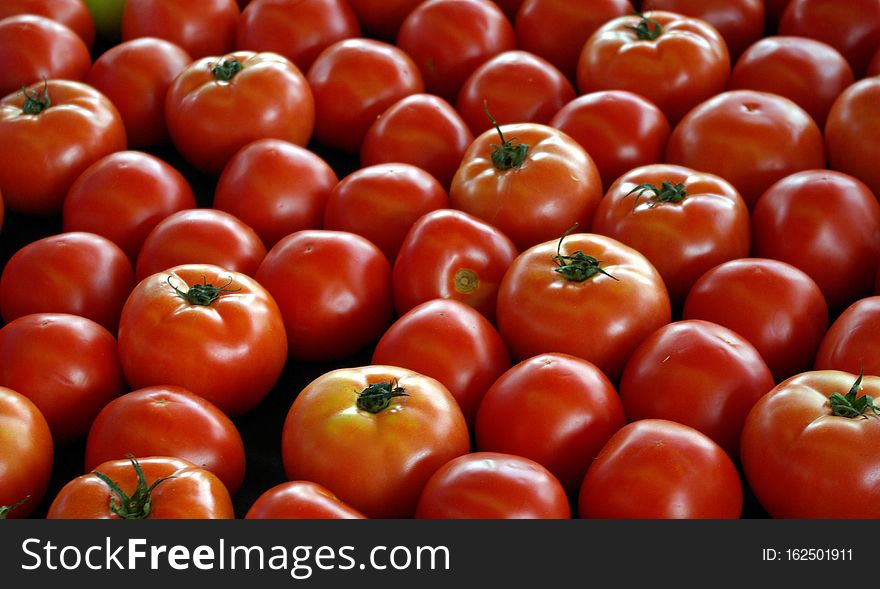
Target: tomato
(276,187)
(675,61)
(420,129)
(827,224)
(353,82)
(297,30)
(775,306)
(135,76)
(452,255)
(684,221)
(168,421)
(154,487)
(822,72)
(107,16)
(659,469)
(71,13)
(382,202)
(300,500)
(217,105)
(749,138)
(200,236)
(77,273)
(465,353)
(200,27)
(530,180)
(493,485)
(449,39)
(811,440)
(64,127)
(373,435)
(874,65)
(26,455)
(586,295)
(852,343)
(852,131)
(382,18)
(565,402)
(100,201)
(42,356)
(215,332)
(333,289)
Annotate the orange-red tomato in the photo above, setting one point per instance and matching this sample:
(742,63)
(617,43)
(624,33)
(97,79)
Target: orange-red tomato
(200,27)
(300,500)
(73,13)
(26,455)
(852,343)
(852,132)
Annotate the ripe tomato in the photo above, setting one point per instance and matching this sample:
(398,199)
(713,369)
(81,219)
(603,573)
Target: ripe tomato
(852,132)
(67,126)
(300,500)
(659,469)
(72,13)
(333,289)
(811,440)
(493,485)
(154,487)
(852,343)
(531,181)
(382,18)
(215,332)
(26,455)
(373,435)
(263,93)
(565,402)
(200,27)
(584,294)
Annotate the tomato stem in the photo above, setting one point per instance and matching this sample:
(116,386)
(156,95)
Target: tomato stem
(578,266)
(851,406)
(507,155)
(36,102)
(377,397)
(139,504)
(668,192)
(648,29)
(5,509)
(226,69)
(202,294)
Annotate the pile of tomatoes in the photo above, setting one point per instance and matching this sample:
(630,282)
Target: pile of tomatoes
(440,258)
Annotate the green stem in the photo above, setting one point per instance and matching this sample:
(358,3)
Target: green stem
(578,266)
(668,192)
(202,294)
(5,509)
(377,397)
(648,29)
(36,102)
(226,69)
(138,505)
(850,405)
(507,155)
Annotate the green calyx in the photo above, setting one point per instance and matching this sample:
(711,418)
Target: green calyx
(578,266)
(668,192)
(648,29)
(507,155)
(202,294)
(138,505)
(36,101)
(226,69)
(850,405)
(377,397)
(5,509)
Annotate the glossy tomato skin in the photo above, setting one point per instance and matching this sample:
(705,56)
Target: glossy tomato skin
(852,130)
(72,13)
(377,463)
(168,421)
(565,402)
(300,500)
(200,27)
(27,454)
(852,343)
(190,492)
(79,127)
(798,457)
(493,485)
(659,469)
(231,351)
(198,107)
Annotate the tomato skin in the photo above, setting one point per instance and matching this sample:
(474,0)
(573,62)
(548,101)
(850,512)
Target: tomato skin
(382,18)
(851,132)
(660,469)
(565,402)
(200,27)
(300,500)
(235,348)
(168,421)
(852,343)
(71,13)
(377,463)
(27,453)
(798,457)
(190,493)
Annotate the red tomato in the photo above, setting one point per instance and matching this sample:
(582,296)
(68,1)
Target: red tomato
(300,500)
(825,223)
(421,129)
(200,27)
(684,221)
(584,294)
(382,18)
(699,374)
(775,306)
(333,289)
(449,39)
(450,254)
(215,332)
(66,364)
(77,273)
(749,138)
(154,487)
(168,421)
(852,132)
(297,30)
(852,343)
(66,126)
(531,181)
(659,469)
(373,435)
(135,76)
(353,82)
(493,485)
(26,455)
(72,13)
(565,402)
(811,440)
(217,105)
(382,202)
(675,61)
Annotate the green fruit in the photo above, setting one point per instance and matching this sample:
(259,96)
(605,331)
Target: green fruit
(107,15)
